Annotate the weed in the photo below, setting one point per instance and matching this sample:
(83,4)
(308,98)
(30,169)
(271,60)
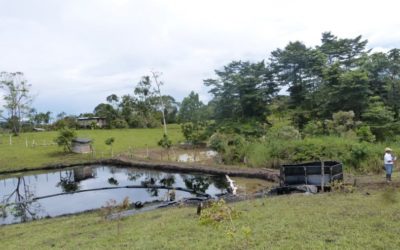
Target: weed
(217,211)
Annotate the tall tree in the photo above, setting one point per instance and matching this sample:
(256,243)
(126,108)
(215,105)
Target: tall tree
(393,83)
(16,97)
(242,91)
(348,52)
(192,109)
(299,68)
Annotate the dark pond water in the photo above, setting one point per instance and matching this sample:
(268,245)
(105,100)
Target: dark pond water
(23,197)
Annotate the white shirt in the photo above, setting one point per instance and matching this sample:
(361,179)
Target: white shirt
(388,158)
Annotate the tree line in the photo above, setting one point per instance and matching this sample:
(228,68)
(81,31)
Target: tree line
(308,84)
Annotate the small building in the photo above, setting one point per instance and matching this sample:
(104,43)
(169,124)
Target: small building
(81,145)
(88,122)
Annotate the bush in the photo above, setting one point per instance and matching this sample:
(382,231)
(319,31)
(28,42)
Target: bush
(64,138)
(231,147)
(119,123)
(284,133)
(314,128)
(364,134)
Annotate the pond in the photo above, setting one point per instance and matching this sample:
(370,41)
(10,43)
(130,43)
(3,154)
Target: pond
(36,195)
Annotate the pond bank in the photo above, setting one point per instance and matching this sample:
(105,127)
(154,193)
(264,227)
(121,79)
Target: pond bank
(260,173)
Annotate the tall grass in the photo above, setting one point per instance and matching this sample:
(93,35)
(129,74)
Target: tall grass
(355,155)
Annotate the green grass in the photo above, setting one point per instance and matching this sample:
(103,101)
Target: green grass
(330,221)
(17,155)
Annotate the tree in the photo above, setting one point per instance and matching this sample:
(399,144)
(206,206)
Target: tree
(144,104)
(64,138)
(110,141)
(193,116)
(16,97)
(158,83)
(192,109)
(378,117)
(300,69)
(107,111)
(42,118)
(349,53)
(242,91)
(348,91)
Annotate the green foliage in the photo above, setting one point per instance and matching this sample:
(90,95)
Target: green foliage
(109,141)
(192,109)
(231,147)
(119,123)
(217,212)
(241,91)
(364,134)
(16,99)
(165,142)
(194,132)
(314,128)
(64,138)
(283,133)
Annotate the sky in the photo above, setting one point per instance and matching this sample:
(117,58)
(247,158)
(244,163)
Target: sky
(75,53)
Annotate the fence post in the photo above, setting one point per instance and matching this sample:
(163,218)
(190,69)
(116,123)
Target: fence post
(322,175)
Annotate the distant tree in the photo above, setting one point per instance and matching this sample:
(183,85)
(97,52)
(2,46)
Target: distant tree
(106,111)
(42,118)
(113,98)
(242,91)
(299,68)
(68,121)
(192,109)
(193,118)
(145,104)
(349,52)
(16,97)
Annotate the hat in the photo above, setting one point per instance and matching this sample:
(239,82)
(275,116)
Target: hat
(388,149)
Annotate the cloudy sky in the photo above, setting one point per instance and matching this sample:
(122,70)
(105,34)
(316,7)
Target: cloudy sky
(77,52)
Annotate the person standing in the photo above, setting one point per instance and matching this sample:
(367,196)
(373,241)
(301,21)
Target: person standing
(389,163)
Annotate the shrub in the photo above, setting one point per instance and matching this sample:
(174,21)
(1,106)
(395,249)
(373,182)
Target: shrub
(364,134)
(217,211)
(119,123)
(314,128)
(64,138)
(231,147)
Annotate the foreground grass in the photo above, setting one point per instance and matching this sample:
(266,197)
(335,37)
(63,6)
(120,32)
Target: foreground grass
(330,221)
(22,154)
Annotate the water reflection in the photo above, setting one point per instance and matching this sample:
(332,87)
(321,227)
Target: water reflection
(18,203)
(54,193)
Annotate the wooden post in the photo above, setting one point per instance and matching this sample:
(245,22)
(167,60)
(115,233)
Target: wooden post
(10,140)
(26,142)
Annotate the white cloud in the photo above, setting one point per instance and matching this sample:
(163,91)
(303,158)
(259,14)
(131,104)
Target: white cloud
(76,52)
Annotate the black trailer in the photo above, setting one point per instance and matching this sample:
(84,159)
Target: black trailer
(311,173)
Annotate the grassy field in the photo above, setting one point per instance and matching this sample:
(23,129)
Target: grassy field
(21,153)
(329,221)
(365,219)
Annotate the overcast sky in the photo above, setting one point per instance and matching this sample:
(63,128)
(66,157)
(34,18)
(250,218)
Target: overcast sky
(77,52)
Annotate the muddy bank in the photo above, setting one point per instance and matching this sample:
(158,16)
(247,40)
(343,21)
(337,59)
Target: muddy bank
(265,174)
